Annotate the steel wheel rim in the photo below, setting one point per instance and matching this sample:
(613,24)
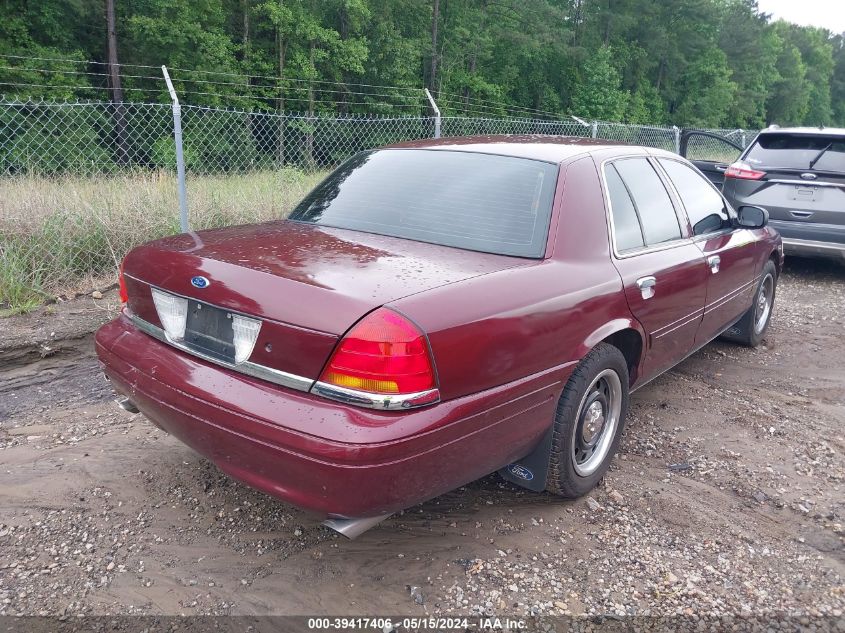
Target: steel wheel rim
(763,304)
(596,423)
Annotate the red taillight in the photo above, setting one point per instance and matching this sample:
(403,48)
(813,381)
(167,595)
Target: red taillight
(384,353)
(743,171)
(124,296)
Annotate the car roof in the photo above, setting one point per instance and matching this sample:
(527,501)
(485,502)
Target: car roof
(811,131)
(554,149)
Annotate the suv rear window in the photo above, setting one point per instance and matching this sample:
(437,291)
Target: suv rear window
(480,202)
(797,151)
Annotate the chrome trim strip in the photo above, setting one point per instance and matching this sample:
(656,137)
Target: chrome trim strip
(733,294)
(373,400)
(682,322)
(815,245)
(255,370)
(805,183)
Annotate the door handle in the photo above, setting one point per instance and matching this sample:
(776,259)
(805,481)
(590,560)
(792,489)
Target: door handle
(720,167)
(714,261)
(646,286)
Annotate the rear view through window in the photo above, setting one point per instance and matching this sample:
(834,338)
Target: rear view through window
(481,202)
(797,151)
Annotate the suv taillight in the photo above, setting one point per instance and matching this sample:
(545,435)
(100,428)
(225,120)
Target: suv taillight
(743,171)
(124,295)
(383,354)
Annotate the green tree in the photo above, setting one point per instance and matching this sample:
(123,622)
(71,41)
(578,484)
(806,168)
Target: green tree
(689,62)
(708,91)
(837,85)
(817,54)
(599,94)
(788,98)
(751,47)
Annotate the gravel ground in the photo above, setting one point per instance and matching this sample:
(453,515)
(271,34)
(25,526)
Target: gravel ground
(727,499)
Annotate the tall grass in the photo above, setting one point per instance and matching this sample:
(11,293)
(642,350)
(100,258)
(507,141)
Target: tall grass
(60,234)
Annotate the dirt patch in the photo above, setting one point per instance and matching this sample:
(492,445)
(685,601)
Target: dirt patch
(727,498)
(58,328)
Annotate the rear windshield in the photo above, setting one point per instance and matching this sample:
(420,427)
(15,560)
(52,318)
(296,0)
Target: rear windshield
(480,202)
(794,151)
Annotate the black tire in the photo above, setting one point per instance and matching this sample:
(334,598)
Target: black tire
(750,330)
(566,477)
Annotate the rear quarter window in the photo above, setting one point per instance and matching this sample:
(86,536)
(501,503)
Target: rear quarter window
(482,202)
(797,151)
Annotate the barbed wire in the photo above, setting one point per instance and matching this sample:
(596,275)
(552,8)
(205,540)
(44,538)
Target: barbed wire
(481,100)
(56,86)
(79,87)
(53,59)
(213,72)
(417,91)
(296,99)
(79,72)
(317,91)
(186,94)
(483,110)
(388,91)
(322,91)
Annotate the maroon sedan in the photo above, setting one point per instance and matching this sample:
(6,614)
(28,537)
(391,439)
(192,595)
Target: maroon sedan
(436,311)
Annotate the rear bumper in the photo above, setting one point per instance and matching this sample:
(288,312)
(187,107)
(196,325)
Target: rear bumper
(810,239)
(813,248)
(355,462)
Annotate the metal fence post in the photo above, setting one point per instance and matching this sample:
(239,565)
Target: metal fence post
(742,136)
(594,130)
(180,157)
(436,113)
(677,132)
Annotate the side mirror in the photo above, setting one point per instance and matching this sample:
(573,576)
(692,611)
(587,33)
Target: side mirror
(752,217)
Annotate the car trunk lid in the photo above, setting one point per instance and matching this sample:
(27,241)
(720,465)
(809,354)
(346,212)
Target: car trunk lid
(307,284)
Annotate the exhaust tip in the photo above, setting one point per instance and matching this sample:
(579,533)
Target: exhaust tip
(353,528)
(127,405)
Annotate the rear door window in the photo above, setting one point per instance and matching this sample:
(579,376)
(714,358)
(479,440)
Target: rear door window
(482,202)
(653,204)
(627,232)
(798,151)
(704,206)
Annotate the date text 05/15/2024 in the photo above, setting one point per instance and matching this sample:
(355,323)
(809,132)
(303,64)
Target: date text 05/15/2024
(410,624)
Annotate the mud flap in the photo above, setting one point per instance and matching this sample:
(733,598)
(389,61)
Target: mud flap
(532,470)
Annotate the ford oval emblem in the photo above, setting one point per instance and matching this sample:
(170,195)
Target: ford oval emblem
(518,470)
(808,176)
(200,282)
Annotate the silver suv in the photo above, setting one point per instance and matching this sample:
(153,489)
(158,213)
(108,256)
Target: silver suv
(798,175)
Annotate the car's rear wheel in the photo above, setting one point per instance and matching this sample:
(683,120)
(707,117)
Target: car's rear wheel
(588,422)
(752,327)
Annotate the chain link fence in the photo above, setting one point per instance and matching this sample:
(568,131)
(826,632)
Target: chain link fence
(82,183)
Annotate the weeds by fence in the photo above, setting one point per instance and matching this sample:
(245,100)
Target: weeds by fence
(60,234)
(82,183)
